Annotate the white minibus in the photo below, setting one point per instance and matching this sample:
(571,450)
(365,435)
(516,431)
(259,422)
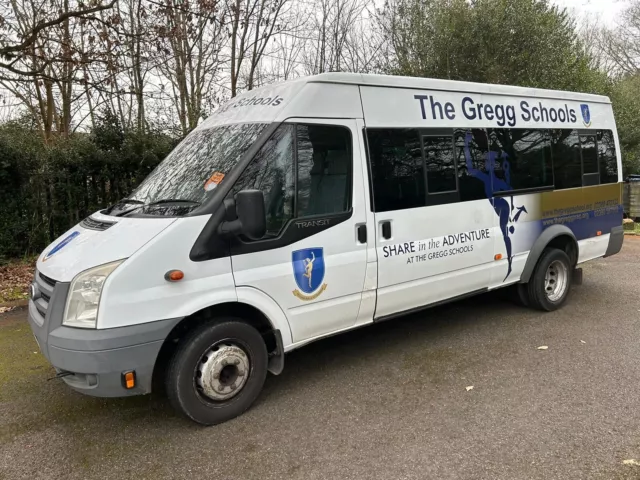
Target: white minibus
(320,205)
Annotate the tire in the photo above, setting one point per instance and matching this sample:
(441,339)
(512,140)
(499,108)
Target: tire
(197,352)
(546,290)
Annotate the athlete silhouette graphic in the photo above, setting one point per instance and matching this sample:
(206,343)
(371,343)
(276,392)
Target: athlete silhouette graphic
(308,267)
(494,184)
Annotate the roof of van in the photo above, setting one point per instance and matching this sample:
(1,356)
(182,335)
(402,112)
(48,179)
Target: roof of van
(418,83)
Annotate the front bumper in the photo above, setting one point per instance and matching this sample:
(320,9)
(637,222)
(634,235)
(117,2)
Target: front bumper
(95,359)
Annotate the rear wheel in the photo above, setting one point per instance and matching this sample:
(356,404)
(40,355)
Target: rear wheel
(551,281)
(217,371)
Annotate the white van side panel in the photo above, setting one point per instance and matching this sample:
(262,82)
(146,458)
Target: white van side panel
(404,108)
(137,292)
(324,100)
(426,248)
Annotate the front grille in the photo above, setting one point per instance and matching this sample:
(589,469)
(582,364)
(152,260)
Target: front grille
(45,287)
(49,281)
(93,224)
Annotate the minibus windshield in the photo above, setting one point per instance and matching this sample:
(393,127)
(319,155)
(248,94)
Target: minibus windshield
(192,170)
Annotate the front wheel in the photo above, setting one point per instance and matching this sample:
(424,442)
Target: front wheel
(551,280)
(217,371)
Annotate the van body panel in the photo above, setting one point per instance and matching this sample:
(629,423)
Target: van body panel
(137,291)
(335,256)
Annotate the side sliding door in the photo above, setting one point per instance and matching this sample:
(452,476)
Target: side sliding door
(434,215)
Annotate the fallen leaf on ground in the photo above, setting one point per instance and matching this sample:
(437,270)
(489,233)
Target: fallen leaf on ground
(543,347)
(470,387)
(582,341)
(5,309)
(632,461)
(15,279)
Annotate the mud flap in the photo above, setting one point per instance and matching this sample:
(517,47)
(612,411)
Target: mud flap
(577,276)
(276,358)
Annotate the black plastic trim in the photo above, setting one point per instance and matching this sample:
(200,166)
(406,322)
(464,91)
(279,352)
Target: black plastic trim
(295,230)
(430,305)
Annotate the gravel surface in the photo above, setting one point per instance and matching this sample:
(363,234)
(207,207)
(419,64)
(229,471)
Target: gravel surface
(389,401)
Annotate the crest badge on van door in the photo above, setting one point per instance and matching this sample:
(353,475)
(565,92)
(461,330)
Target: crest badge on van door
(308,271)
(586,114)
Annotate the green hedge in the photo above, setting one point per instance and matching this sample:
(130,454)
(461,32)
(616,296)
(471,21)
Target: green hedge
(46,189)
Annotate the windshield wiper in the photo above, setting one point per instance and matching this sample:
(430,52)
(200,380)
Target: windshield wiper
(124,201)
(172,200)
(157,202)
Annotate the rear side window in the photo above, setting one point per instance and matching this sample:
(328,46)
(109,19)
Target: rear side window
(522,158)
(396,168)
(607,157)
(567,163)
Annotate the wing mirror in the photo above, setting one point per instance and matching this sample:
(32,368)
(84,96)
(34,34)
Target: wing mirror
(245,215)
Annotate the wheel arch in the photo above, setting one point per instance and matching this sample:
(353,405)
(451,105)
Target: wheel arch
(275,331)
(556,236)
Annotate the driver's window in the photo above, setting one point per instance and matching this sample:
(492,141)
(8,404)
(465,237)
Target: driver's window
(272,171)
(324,173)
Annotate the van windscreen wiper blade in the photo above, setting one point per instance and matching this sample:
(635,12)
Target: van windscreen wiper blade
(172,200)
(124,201)
(157,202)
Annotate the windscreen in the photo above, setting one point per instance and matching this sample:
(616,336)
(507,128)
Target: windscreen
(197,165)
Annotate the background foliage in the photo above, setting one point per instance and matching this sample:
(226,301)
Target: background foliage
(94,94)
(47,188)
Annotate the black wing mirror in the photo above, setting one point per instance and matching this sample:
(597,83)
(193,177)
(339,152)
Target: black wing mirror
(251,218)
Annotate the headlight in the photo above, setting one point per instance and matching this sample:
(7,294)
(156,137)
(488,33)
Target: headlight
(81,309)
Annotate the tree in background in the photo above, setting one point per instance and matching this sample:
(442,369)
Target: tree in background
(42,49)
(529,43)
(618,51)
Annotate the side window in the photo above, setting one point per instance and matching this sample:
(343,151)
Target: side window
(522,159)
(567,166)
(396,168)
(472,149)
(607,157)
(324,167)
(272,171)
(589,160)
(440,163)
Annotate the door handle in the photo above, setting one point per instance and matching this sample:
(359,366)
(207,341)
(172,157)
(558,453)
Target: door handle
(362,234)
(386,230)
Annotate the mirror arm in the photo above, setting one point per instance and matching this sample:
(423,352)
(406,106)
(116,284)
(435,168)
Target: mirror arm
(228,229)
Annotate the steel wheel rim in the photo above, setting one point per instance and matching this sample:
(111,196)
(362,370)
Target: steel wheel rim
(556,280)
(222,371)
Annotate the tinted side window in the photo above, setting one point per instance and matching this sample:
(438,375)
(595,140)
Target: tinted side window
(324,166)
(567,166)
(589,154)
(472,149)
(607,157)
(272,171)
(522,158)
(396,168)
(440,163)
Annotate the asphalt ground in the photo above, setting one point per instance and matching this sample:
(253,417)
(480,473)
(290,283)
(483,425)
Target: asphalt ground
(388,401)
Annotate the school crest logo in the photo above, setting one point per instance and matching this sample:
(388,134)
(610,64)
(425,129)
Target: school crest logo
(60,245)
(308,271)
(586,114)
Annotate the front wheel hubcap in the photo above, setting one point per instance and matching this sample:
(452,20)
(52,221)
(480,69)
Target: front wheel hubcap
(222,371)
(556,280)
